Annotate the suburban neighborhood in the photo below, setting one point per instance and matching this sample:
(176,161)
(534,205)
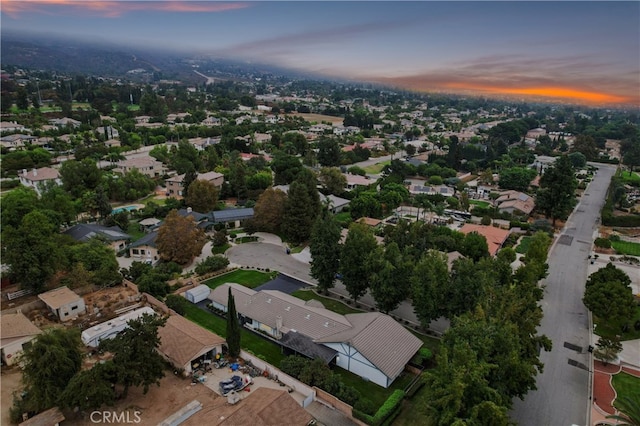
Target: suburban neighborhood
(289,251)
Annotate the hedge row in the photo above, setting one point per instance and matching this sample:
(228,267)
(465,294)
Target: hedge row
(389,409)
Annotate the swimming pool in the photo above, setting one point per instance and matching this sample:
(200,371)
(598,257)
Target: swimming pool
(123,208)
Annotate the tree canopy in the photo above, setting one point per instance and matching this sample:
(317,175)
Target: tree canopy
(179,239)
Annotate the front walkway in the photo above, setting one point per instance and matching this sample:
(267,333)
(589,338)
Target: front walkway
(603,392)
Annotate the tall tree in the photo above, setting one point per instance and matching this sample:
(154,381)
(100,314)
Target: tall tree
(269,210)
(611,300)
(325,250)
(35,252)
(136,360)
(328,152)
(428,283)
(80,176)
(179,239)
(332,180)
(475,246)
(556,196)
(90,389)
(360,242)
(233,327)
(48,364)
(587,146)
(390,274)
(300,211)
(202,196)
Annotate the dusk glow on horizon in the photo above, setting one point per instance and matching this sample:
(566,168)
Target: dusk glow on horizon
(580,52)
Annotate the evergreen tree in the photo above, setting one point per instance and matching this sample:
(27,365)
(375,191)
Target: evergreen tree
(299,213)
(233,327)
(356,272)
(325,250)
(48,365)
(136,360)
(390,275)
(556,196)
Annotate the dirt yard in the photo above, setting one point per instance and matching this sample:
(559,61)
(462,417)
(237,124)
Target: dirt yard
(319,118)
(159,403)
(10,378)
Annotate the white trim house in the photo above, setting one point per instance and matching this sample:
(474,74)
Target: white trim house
(372,345)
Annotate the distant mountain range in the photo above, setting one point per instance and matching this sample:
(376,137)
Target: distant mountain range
(72,56)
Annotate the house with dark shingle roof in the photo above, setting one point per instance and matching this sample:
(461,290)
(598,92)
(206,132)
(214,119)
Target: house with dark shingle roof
(144,249)
(371,345)
(113,235)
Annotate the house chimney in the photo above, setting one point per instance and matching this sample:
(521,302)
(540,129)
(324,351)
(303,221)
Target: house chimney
(189,209)
(35,172)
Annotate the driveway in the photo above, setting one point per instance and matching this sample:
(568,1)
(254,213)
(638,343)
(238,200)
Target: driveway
(562,397)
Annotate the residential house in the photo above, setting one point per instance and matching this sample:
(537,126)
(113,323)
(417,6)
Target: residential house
(64,122)
(515,202)
(175,184)
(39,178)
(63,303)
(112,143)
(113,235)
(353,181)
(17,334)
(149,224)
(144,249)
(17,141)
(201,144)
(267,407)
(11,126)
(185,344)
(495,236)
(443,190)
(236,216)
(148,166)
(371,345)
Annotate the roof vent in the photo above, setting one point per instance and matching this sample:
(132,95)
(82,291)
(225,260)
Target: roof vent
(307,316)
(326,324)
(288,308)
(269,300)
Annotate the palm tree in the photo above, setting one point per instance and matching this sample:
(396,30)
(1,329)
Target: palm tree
(628,411)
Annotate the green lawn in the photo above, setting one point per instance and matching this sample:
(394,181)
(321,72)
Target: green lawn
(297,249)
(135,231)
(332,305)
(480,203)
(633,178)
(376,168)
(626,247)
(523,247)
(247,278)
(343,216)
(626,385)
(612,329)
(375,393)
(220,249)
(249,341)
(246,239)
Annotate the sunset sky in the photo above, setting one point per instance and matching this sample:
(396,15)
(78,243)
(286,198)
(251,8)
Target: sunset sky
(583,52)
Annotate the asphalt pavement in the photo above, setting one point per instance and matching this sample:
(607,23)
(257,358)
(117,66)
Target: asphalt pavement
(562,397)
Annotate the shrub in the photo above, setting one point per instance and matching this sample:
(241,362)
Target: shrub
(614,237)
(388,409)
(212,264)
(365,406)
(486,220)
(602,243)
(177,303)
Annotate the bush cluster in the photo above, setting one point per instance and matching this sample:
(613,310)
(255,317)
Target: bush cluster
(389,409)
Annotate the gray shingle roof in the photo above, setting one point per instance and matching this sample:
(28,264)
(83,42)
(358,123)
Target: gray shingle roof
(231,215)
(147,240)
(85,231)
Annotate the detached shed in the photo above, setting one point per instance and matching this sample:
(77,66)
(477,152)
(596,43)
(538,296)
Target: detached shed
(197,294)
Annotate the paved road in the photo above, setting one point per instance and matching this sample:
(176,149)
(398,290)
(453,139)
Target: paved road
(562,397)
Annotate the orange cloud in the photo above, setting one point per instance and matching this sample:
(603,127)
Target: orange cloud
(550,92)
(112,9)
(533,89)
